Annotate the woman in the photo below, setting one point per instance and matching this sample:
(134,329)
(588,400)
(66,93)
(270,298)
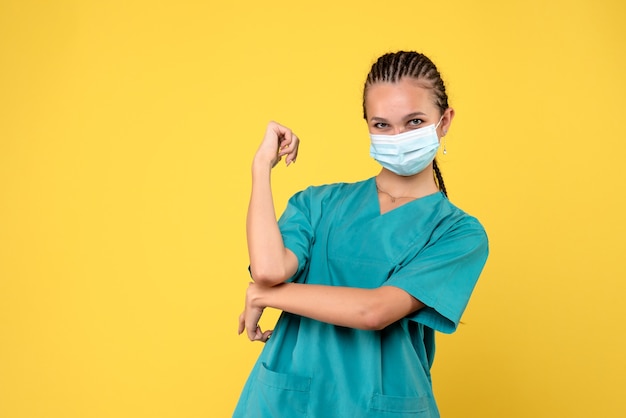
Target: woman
(365,272)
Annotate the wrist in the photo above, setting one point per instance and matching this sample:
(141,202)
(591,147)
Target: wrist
(267,296)
(256,296)
(260,163)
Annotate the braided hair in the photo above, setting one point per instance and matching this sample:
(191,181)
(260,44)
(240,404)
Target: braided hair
(392,67)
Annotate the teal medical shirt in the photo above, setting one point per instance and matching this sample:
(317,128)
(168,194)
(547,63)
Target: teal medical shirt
(427,247)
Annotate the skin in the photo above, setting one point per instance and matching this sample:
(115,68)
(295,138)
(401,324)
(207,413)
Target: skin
(391,108)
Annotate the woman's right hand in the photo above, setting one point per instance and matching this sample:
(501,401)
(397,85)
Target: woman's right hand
(279,141)
(249,318)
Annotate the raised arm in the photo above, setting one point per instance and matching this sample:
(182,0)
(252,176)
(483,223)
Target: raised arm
(369,309)
(270,262)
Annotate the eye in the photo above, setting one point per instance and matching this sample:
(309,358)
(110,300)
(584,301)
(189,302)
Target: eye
(415,122)
(380,125)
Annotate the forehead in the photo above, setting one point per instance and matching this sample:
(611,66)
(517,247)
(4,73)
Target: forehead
(405,94)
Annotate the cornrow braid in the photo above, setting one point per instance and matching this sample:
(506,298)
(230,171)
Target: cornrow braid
(392,67)
(439,178)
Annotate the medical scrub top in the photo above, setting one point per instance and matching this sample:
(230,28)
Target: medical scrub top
(427,247)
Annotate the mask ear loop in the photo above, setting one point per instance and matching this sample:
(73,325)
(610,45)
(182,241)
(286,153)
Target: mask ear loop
(445,151)
(439,123)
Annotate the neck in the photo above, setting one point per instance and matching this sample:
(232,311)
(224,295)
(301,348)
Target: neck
(416,186)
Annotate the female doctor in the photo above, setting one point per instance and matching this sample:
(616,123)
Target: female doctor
(365,272)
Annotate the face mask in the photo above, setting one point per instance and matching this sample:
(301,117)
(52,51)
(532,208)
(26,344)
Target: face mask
(407,153)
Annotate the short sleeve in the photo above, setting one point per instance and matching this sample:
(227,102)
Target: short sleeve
(443,275)
(297,230)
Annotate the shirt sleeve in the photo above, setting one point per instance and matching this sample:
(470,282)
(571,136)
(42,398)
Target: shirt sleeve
(443,275)
(297,230)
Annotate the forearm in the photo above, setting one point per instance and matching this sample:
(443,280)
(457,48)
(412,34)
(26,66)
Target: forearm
(369,309)
(269,261)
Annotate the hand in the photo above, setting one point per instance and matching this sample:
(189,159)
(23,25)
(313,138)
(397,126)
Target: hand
(249,318)
(279,141)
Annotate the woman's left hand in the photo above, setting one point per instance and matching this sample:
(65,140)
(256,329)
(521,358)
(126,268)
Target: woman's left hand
(249,318)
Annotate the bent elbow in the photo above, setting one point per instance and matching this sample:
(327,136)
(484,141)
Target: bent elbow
(388,305)
(267,277)
(373,320)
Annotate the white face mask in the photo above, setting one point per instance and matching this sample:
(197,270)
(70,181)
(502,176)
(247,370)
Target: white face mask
(407,153)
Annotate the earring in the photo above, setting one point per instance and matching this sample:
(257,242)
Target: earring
(445,151)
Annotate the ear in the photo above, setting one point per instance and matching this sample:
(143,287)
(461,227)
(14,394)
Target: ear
(446,121)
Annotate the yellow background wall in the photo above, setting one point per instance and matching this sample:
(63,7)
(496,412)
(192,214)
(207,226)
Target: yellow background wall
(126,134)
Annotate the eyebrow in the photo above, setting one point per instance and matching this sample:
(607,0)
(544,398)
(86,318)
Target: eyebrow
(412,115)
(409,116)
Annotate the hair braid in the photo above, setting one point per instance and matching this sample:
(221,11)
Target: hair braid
(439,178)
